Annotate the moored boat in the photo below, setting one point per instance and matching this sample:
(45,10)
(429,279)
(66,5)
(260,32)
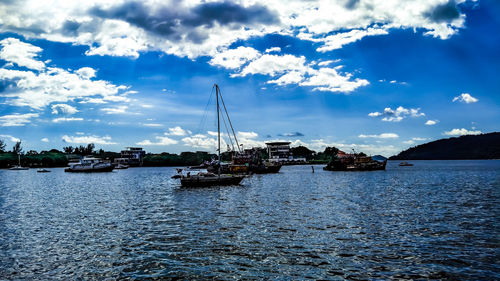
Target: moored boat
(213,179)
(42,170)
(89,165)
(18,167)
(355,162)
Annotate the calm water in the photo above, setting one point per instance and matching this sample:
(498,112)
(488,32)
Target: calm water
(437,219)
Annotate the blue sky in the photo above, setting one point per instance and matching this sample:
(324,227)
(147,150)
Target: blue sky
(376,76)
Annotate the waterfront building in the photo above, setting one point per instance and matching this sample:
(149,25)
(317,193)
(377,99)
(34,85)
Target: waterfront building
(279,151)
(131,156)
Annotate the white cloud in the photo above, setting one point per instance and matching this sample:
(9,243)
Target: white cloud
(86,72)
(202,141)
(329,79)
(87,139)
(11,138)
(274,64)
(159,141)
(381,136)
(413,140)
(338,40)
(462,132)
(248,135)
(398,114)
(66,119)
(15,120)
(63,109)
(187,29)
(465,97)
(44,140)
(431,122)
(176,131)
(234,58)
(121,109)
(328,62)
(20,53)
(273,49)
(37,89)
(152,125)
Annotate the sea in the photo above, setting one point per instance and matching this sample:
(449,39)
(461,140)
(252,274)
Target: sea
(434,220)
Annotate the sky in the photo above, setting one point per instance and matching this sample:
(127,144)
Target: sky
(377,76)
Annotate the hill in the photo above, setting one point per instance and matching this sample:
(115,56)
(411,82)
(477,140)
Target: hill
(485,146)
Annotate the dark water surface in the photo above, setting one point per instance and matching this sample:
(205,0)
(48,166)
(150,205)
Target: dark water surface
(437,219)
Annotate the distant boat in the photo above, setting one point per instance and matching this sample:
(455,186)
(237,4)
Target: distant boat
(121,167)
(18,167)
(90,165)
(355,162)
(405,164)
(42,170)
(212,179)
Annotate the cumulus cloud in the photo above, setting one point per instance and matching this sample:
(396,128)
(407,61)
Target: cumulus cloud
(11,138)
(41,86)
(381,136)
(202,141)
(248,135)
(20,53)
(234,58)
(461,132)
(16,120)
(160,140)
(398,114)
(44,140)
(273,49)
(81,139)
(63,109)
(465,97)
(177,131)
(431,122)
(200,28)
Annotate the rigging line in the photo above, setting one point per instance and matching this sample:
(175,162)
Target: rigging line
(205,113)
(229,119)
(227,129)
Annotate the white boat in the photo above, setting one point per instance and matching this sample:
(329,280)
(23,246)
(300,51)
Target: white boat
(18,167)
(42,170)
(90,165)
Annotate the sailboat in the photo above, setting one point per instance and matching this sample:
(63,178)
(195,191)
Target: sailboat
(18,167)
(212,179)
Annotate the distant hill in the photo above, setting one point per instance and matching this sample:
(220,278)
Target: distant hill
(485,146)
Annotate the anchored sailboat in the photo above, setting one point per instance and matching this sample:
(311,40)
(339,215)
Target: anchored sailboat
(18,167)
(212,179)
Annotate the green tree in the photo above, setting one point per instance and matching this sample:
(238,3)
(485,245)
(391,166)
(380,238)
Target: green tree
(68,149)
(2,146)
(17,149)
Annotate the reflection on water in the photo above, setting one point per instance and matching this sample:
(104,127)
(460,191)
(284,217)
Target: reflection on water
(437,219)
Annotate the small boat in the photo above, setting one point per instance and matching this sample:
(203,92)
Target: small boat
(405,164)
(89,165)
(121,166)
(18,167)
(210,179)
(42,170)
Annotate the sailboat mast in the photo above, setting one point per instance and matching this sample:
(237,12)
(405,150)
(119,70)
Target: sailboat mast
(218,124)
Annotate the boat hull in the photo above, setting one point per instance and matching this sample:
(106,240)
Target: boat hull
(90,170)
(200,181)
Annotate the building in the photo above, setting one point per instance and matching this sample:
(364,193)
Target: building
(279,151)
(132,156)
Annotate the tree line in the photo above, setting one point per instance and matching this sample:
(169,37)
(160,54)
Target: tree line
(57,158)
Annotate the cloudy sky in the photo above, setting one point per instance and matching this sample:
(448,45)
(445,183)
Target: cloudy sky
(378,76)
